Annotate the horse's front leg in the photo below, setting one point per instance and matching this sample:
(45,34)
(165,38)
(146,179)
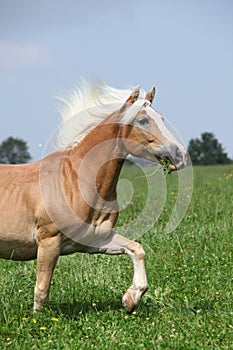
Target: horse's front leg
(47,255)
(122,245)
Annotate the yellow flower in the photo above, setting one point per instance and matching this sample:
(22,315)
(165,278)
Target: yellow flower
(24,319)
(34,320)
(54,319)
(42,328)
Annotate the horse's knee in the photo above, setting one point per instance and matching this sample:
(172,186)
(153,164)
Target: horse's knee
(139,252)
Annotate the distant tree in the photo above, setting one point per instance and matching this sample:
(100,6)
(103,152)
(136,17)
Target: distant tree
(14,151)
(207,151)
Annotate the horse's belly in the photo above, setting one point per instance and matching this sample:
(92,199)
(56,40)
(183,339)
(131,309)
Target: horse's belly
(17,233)
(20,253)
(18,250)
(17,246)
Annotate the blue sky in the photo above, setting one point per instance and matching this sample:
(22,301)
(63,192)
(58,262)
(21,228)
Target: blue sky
(183,47)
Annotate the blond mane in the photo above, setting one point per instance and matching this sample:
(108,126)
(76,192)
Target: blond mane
(85,107)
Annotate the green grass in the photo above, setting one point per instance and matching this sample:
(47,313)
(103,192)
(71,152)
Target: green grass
(189,301)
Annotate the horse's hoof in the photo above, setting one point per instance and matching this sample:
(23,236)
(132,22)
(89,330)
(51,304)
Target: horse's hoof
(128,303)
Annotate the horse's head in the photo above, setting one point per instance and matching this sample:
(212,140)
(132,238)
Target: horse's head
(145,134)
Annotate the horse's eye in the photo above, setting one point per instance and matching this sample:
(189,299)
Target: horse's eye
(143,121)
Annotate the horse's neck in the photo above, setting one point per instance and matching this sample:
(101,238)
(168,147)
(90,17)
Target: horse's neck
(99,158)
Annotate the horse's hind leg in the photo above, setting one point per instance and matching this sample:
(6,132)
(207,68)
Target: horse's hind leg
(122,245)
(47,255)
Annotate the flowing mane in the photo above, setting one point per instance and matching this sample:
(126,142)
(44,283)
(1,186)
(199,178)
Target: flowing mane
(84,108)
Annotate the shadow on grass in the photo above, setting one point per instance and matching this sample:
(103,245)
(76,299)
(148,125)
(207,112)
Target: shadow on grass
(72,310)
(76,308)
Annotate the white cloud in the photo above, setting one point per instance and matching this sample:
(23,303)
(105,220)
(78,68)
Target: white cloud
(22,56)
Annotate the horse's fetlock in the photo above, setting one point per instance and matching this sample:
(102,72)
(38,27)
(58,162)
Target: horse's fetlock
(144,288)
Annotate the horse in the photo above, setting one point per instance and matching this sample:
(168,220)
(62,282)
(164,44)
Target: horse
(66,202)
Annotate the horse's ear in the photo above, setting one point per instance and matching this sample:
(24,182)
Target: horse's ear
(150,95)
(134,96)
(130,101)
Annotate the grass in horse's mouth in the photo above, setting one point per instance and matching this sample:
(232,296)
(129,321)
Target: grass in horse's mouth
(167,166)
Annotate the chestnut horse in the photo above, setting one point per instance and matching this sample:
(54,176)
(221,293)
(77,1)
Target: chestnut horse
(67,202)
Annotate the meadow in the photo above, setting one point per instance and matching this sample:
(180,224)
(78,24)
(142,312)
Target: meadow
(189,303)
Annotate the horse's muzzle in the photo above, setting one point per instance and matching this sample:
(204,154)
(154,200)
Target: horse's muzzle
(176,154)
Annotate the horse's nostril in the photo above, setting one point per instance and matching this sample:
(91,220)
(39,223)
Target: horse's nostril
(178,154)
